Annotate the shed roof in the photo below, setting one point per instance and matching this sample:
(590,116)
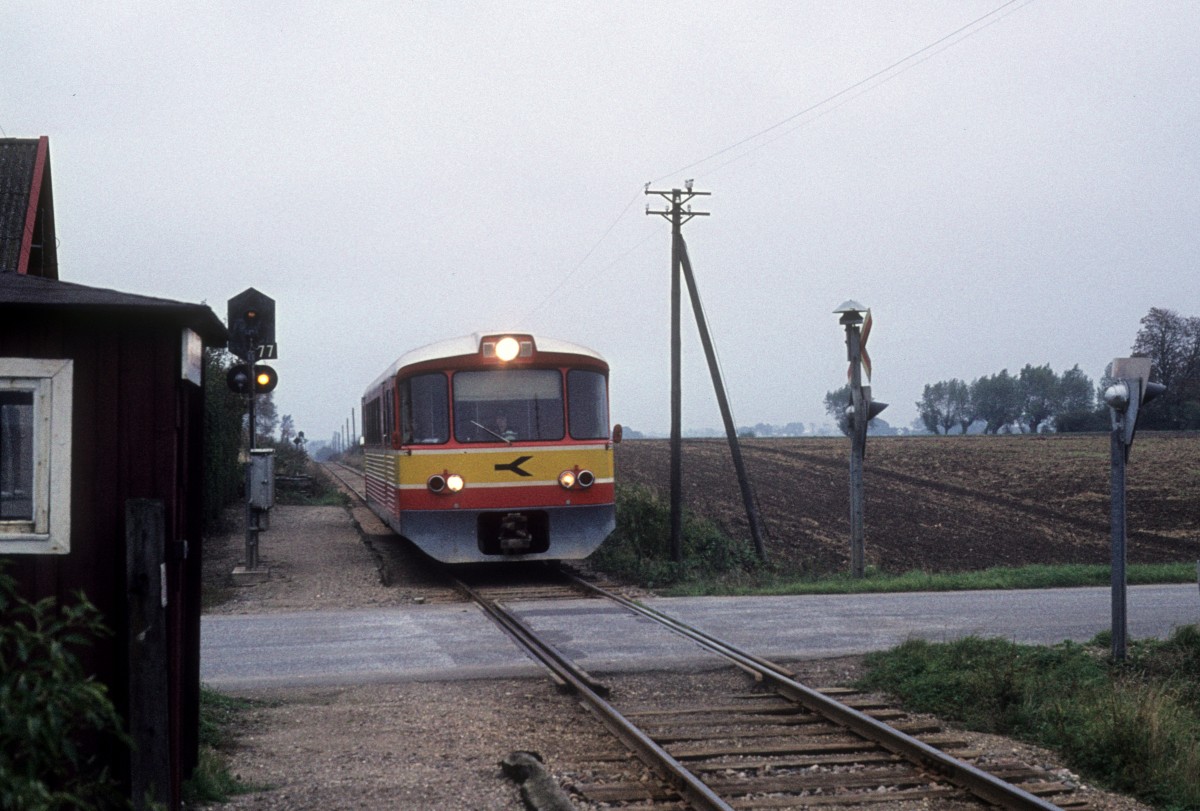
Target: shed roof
(27,239)
(20,291)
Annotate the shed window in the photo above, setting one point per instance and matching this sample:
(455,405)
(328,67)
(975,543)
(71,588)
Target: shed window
(35,456)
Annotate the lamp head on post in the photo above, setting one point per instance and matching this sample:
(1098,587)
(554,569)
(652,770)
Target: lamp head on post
(852,313)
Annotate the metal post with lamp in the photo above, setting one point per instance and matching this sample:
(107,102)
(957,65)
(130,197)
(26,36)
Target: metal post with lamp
(859,413)
(1132,388)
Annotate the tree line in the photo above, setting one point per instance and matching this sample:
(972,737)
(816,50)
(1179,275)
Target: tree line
(1037,398)
(1033,399)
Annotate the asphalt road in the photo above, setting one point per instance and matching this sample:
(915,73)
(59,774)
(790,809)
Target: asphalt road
(456,641)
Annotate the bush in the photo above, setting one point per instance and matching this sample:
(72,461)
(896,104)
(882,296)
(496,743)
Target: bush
(639,548)
(55,721)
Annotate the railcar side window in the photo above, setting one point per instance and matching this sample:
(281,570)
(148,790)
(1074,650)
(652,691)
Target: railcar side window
(35,456)
(370,419)
(587,404)
(424,410)
(508,405)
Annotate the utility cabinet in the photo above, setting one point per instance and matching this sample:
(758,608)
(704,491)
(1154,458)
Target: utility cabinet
(262,478)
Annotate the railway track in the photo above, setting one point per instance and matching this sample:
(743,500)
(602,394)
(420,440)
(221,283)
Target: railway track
(780,744)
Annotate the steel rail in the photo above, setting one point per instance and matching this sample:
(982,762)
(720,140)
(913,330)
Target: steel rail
(337,474)
(689,786)
(976,781)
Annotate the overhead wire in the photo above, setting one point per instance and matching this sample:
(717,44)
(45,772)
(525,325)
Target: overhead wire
(860,84)
(864,86)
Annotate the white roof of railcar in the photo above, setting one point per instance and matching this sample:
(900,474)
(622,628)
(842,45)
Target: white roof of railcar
(469,345)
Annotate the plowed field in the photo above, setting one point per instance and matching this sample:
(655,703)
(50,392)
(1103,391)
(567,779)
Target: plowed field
(943,503)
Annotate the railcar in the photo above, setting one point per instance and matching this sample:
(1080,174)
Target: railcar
(492,447)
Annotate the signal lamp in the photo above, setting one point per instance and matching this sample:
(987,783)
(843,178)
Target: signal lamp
(1117,396)
(265,379)
(585,479)
(436,483)
(238,378)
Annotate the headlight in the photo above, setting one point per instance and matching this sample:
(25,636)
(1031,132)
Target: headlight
(507,348)
(585,479)
(454,483)
(567,479)
(436,483)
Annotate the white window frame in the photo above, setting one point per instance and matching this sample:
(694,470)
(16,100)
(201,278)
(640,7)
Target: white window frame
(51,381)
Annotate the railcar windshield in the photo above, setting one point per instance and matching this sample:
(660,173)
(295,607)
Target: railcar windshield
(508,405)
(424,410)
(587,404)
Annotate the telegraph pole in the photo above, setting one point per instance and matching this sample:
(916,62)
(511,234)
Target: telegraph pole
(681,266)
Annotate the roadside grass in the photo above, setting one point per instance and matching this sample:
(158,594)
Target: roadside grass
(770,581)
(1133,727)
(714,564)
(212,782)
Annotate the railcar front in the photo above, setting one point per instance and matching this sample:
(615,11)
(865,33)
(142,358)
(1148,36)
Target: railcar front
(493,448)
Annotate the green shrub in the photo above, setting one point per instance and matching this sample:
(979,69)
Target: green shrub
(55,721)
(639,547)
(224,413)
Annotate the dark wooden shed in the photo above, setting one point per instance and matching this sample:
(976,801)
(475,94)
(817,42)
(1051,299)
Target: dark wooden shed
(113,383)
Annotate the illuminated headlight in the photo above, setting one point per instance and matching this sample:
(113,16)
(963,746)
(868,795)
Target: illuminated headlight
(507,348)
(567,479)
(454,483)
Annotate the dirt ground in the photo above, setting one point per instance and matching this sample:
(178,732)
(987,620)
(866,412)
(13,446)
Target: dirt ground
(948,503)
(422,746)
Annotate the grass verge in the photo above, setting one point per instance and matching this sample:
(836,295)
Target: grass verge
(1133,727)
(212,782)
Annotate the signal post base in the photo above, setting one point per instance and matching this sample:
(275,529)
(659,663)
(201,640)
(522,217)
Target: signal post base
(249,577)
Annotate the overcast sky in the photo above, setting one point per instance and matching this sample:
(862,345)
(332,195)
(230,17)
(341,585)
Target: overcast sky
(1021,191)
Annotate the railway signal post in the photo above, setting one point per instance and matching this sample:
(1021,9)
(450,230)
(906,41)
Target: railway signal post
(861,411)
(1124,397)
(681,266)
(252,339)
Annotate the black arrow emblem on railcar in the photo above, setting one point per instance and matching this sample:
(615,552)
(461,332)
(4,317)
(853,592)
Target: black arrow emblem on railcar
(515,466)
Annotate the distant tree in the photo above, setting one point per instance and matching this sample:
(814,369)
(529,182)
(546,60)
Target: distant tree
(996,400)
(836,403)
(935,409)
(958,397)
(1039,395)
(287,428)
(265,416)
(1172,343)
(1078,409)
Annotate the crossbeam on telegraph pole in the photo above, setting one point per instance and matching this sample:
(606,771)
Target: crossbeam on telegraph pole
(681,266)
